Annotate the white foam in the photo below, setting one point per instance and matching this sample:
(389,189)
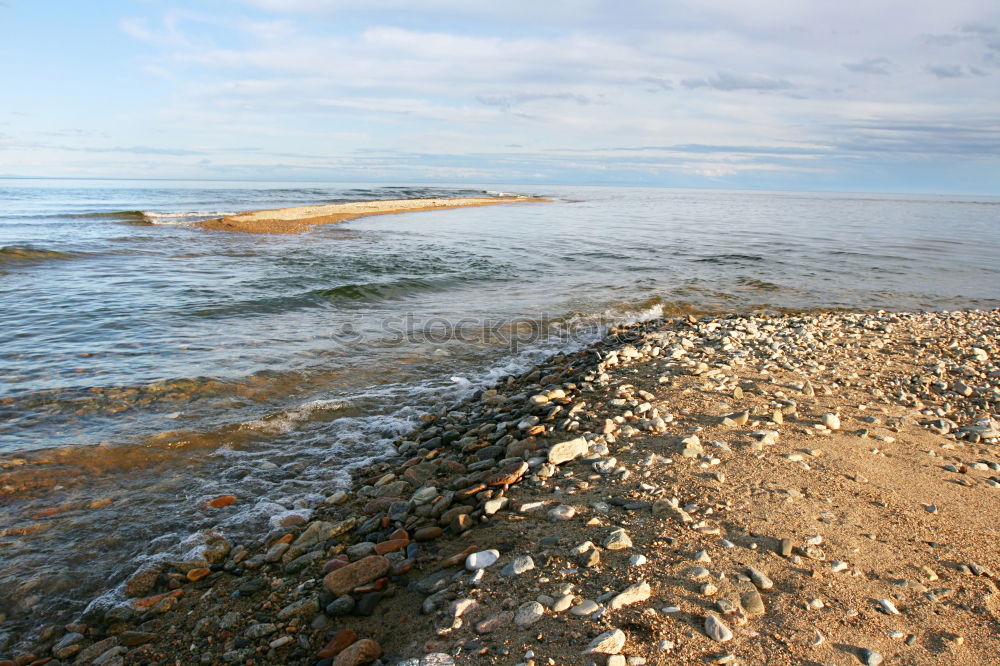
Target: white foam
(286,421)
(183,218)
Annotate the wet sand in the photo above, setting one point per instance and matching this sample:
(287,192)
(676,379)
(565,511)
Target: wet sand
(302,218)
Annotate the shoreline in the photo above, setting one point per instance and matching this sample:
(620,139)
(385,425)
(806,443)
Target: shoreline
(650,479)
(302,218)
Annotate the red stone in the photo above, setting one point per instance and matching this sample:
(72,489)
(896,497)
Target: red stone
(337,644)
(333,565)
(364,651)
(458,557)
(400,534)
(391,546)
(358,573)
(198,574)
(149,602)
(220,502)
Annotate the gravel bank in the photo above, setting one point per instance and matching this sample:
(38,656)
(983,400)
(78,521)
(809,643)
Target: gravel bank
(302,218)
(816,488)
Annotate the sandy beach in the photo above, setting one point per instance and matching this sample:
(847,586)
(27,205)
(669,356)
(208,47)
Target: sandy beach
(302,218)
(814,488)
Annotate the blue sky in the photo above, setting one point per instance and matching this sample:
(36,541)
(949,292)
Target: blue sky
(882,95)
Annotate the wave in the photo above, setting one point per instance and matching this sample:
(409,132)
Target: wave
(12,254)
(733,258)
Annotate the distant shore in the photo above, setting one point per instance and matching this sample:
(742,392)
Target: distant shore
(302,218)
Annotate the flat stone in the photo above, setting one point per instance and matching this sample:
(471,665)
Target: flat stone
(585,607)
(759,578)
(481,560)
(618,540)
(341,640)
(752,603)
(717,629)
(566,451)
(632,594)
(528,613)
(358,573)
(518,566)
(869,657)
(361,652)
(610,642)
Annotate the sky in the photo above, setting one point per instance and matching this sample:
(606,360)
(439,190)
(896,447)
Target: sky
(879,95)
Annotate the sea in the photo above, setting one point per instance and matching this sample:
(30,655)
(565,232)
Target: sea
(148,365)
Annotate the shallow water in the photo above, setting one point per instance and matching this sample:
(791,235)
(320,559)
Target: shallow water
(147,365)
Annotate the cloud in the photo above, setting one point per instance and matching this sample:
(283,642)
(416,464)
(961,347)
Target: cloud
(946,71)
(880,66)
(508,101)
(659,84)
(729,82)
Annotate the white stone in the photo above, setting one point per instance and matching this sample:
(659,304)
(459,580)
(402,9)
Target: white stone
(481,560)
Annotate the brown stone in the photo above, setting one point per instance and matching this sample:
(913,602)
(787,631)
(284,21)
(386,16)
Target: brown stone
(391,546)
(149,602)
(363,652)
(220,502)
(457,557)
(198,574)
(508,475)
(400,534)
(354,575)
(335,564)
(379,504)
(427,533)
(344,638)
(461,523)
(142,582)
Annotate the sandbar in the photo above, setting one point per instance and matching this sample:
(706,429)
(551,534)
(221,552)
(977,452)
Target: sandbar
(302,218)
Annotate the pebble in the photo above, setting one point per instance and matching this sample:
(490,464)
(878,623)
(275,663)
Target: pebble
(637,560)
(759,578)
(561,512)
(870,657)
(358,573)
(632,594)
(831,421)
(566,451)
(752,603)
(717,629)
(618,540)
(529,613)
(518,566)
(610,642)
(361,652)
(585,607)
(481,560)
(888,607)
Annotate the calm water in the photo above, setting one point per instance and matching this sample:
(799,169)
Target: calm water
(147,365)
